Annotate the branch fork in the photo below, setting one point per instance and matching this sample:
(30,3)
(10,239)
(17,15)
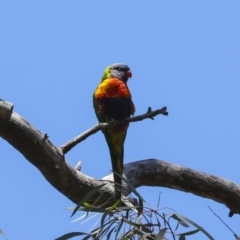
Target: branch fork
(50,161)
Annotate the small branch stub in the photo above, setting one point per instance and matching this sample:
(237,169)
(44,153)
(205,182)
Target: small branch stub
(79,166)
(6,109)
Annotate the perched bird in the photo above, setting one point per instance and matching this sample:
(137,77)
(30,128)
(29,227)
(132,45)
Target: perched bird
(112,100)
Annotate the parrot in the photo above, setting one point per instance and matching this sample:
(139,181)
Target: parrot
(112,101)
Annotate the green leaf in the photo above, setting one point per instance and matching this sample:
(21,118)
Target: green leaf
(127,234)
(125,208)
(119,228)
(140,209)
(182,237)
(96,231)
(105,229)
(159,224)
(87,197)
(147,236)
(93,209)
(130,186)
(110,232)
(102,229)
(144,228)
(87,237)
(103,218)
(195,225)
(130,206)
(139,218)
(175,216)
(114,205)
(70,235)
(161,234)
(189,233)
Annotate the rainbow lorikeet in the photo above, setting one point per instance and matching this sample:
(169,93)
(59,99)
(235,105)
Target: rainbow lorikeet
(112,101)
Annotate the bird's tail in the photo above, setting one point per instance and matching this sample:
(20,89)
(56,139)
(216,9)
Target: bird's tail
(115,140)
(117,167)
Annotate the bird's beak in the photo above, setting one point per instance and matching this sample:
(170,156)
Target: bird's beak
(129,74)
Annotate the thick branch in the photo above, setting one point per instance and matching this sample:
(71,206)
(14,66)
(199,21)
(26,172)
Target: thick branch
(73,142)
(50,161)
(154,172)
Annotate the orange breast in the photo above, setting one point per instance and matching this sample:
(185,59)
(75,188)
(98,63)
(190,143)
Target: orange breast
(112,87)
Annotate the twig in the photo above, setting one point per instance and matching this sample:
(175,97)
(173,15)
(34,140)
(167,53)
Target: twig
(73,142)
(235,235)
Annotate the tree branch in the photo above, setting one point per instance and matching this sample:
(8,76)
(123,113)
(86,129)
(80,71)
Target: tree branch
(50,161)
(73,142)
(5,109)
(154,172)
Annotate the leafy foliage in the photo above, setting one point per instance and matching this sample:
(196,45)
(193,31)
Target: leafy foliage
(125,221)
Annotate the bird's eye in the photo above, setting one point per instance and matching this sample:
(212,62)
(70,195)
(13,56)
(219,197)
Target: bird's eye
(118,68)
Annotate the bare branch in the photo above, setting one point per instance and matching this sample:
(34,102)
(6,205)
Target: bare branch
(50,161)
(154,172)
(73,142)
(235,235)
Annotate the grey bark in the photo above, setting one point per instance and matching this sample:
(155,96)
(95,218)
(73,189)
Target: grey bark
(51,162)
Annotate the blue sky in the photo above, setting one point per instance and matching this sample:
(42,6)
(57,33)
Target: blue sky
(183,54)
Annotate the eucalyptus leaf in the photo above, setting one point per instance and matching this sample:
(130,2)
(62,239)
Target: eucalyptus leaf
(195,225)
(87,197)
(161,234)
(71,235)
